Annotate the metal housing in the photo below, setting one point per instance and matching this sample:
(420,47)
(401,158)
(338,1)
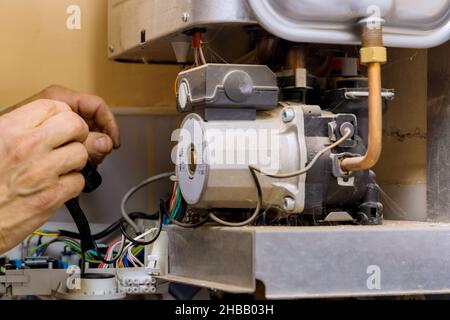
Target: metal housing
(145,30)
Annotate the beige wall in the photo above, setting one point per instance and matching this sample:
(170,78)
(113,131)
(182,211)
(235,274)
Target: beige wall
(36,50)
(403,159)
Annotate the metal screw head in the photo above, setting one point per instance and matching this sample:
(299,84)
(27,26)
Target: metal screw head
(287,115)
(185,16)
(288,204)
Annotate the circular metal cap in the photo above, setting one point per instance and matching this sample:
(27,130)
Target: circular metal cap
(238,85)
(192,169)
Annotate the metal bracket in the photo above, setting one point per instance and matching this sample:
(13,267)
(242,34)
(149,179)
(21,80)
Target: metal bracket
(336,168)
(388,95)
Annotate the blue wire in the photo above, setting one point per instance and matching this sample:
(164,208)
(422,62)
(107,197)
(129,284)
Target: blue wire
(125,261)
(37,253)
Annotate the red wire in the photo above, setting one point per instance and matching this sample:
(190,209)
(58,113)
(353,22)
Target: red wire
(174,194)
(197,40)
(107,251)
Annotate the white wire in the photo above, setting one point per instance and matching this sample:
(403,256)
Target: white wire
(136,188)
(310,165)
(132,258)
(129,245)
(129,256)
(111,251)
(217,55)
(196,56)
(202,56)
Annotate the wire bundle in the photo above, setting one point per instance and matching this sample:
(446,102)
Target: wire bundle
(130,258)
(73,244)
(70,239)
(176,205)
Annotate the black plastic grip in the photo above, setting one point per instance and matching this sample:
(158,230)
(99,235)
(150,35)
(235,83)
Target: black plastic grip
(92,178)
(92,181)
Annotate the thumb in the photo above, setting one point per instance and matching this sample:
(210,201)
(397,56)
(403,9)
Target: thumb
(98,145)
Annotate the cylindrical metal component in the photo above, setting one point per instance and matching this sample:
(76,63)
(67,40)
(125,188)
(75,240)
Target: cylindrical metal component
(223,151)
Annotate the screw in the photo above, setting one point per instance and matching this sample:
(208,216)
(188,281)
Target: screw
(288,204)
(287,115)
(111,49)
(185,17)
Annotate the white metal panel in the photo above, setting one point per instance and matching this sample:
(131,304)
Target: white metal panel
(409,23)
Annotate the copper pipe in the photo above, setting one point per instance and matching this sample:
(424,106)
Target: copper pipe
(295,57)
(370,38)
(375,125)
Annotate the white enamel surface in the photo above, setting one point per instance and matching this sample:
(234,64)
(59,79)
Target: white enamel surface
(409,23)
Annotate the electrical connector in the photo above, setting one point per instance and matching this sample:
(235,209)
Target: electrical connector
(138,285)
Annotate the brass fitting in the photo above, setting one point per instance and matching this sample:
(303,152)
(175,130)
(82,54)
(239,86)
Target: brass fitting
(372,54)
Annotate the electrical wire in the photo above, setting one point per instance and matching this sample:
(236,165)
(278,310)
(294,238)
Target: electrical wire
(110,252)
(176,205)
(202,56)
(216,54)
(132,258)
(110,229)
(142,243)
(106,260)
(73,244)
(45,234)
(310,164)
(126,218)
(113,259)
(196,57)
(177,209)
(181,224)
(130,244)
(133,190)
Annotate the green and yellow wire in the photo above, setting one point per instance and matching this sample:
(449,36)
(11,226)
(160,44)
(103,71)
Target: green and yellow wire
(72,243)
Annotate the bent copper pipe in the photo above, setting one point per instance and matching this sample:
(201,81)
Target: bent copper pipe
(370,38)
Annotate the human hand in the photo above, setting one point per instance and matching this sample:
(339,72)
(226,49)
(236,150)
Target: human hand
(104,131)
(43,145)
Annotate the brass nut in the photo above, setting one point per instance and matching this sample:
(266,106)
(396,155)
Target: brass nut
(373,54)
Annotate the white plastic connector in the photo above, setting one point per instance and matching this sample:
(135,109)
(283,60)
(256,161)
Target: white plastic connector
(157,255)
(151,267)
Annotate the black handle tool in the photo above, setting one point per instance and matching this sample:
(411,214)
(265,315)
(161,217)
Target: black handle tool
(92,181)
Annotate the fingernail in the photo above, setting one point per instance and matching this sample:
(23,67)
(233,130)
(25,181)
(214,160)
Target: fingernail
(102,145)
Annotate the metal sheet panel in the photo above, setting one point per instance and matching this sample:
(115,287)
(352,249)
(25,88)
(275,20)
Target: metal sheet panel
(408,23)
(398,258)
(212,257)
(145,29)
(438,135)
